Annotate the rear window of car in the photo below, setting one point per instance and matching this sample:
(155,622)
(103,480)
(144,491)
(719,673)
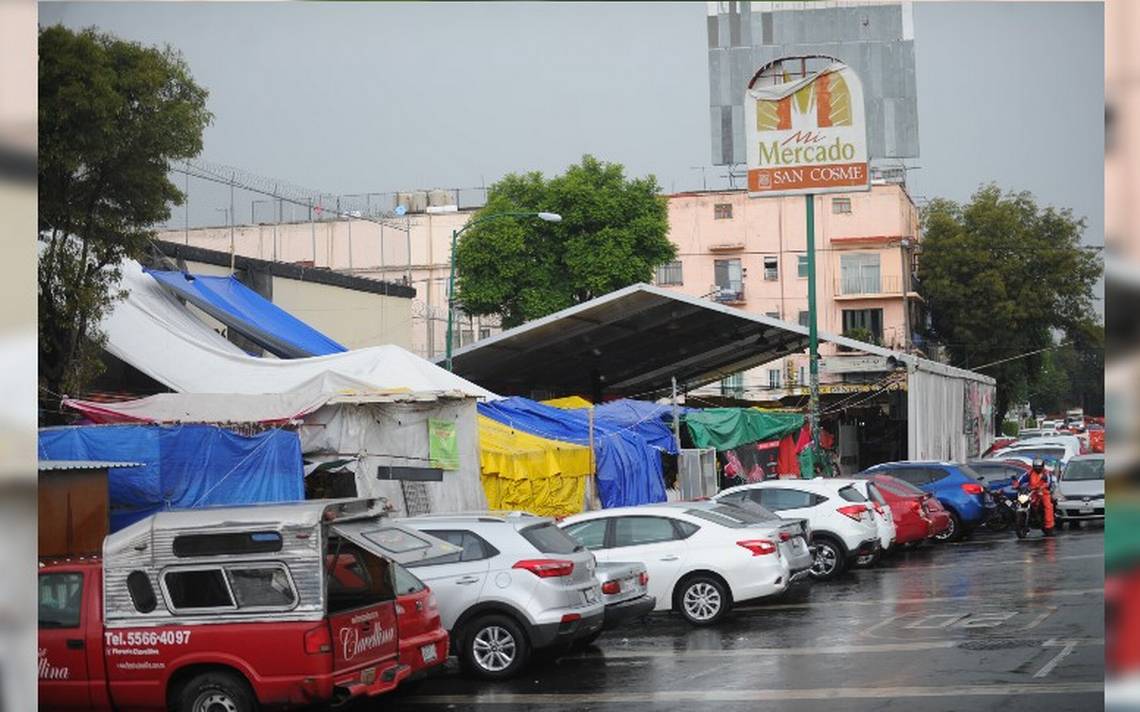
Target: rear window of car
(549,539)
(851,494)
(899,488)
(734,517)
(969,472)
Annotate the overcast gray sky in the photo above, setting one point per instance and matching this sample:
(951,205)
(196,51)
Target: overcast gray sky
(355,97)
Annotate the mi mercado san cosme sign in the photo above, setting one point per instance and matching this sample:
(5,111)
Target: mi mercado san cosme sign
(806,129)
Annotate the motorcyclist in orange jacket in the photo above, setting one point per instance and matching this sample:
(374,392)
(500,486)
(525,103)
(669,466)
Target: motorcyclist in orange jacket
(1039,484)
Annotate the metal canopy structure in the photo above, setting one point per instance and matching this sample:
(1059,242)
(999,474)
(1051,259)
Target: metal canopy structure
(631,342)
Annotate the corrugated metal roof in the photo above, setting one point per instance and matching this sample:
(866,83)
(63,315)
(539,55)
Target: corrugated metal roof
(55,465)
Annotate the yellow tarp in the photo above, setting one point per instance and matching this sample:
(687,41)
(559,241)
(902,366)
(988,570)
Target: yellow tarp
(569,403)
(530,473)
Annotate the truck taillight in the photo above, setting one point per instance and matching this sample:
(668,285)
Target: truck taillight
(972,488)
(758,547)
(318,641)
(855,511)
(611,587)
(546,568)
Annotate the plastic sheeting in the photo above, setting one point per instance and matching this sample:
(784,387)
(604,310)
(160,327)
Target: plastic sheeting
(949,418)
(371,435)
(629,470)
(185,466)
(250,314)
(651,421)
(151,331)
(569,402)
(526,472)
(727,428)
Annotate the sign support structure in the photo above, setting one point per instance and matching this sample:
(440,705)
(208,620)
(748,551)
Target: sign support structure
(807,135)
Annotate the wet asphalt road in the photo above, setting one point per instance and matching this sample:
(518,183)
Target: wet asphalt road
(990,623)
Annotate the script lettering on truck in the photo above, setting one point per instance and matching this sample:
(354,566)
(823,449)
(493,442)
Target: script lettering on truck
(353,643)
(47,671)
(806,134)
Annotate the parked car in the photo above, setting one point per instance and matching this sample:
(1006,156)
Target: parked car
(625,591)
(881,515)
(227,608)
(1081,495)
(702,557)
(842,525)
(910,510)
(1057,447)
(956,486)
(517,585)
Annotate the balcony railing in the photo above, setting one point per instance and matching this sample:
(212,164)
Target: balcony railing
(862,284)
(730,294)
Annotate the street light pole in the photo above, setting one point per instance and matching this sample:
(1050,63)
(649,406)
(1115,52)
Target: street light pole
(548,217)
(813,333)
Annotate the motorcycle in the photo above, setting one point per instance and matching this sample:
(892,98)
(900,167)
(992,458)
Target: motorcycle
(1002,515)
(1029,513)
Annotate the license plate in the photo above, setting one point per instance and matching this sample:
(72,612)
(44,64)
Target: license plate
(428,653)
(368,676)
(1085,510)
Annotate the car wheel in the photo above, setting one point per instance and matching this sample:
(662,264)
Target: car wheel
(214,691)
(952,532)
(494,647)
(702,600)
(829,560)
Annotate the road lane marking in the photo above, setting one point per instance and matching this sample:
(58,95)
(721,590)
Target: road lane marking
(1048,667)
(913,646)
(1004,563)
(760,608)
(759,695)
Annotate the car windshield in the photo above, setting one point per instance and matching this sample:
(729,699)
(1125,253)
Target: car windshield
(1080,470)
(1045,453)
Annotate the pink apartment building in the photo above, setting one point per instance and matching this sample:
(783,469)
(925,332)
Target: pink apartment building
(751,253)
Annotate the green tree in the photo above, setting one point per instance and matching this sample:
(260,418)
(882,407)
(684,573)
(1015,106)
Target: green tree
(113,115)
(613,233)
(1000,275)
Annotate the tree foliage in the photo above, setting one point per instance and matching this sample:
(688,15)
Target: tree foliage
(113,115)
(1001,276)
(613,233)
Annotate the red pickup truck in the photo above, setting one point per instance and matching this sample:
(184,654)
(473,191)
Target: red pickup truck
(238,608)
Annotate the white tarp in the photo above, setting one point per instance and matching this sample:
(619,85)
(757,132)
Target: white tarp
(156,334)
(949,417)
(371,435)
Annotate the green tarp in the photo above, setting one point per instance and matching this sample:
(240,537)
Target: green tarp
(727,428)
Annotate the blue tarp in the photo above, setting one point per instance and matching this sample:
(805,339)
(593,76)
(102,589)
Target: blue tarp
(651,421)
(629,469)
(185,466)
(250,314)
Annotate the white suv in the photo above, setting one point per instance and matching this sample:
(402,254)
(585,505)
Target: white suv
(843,526)
(519,584)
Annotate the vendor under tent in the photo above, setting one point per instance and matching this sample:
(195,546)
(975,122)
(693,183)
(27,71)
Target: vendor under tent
(153,332)
(628,469)
(526,472)
(781,437)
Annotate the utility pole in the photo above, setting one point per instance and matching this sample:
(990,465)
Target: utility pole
(813,330)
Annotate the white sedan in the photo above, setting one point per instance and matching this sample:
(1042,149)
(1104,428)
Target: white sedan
(702,557)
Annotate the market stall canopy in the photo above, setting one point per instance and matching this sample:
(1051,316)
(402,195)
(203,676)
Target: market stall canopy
(159,336)
(521,471)
(727,428)
(248,313)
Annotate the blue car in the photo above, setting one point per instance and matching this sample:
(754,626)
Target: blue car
(955,486)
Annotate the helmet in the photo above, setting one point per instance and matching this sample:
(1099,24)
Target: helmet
(1038,464)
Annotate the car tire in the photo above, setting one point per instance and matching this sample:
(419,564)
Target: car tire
(829,560)
(216,689)
(953,532)
(494,647)
(702,599)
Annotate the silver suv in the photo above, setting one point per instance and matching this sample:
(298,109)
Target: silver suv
(518,585)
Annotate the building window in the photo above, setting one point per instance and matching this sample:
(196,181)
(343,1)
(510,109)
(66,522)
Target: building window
(722,211)
(859,273)
(773,378)
(732,386)
(863,324)
(484,332)
(467,337)
(771,269)
(803,376)
(801,266)
(841,206)
(729,280)
(669,274)
(805,318)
